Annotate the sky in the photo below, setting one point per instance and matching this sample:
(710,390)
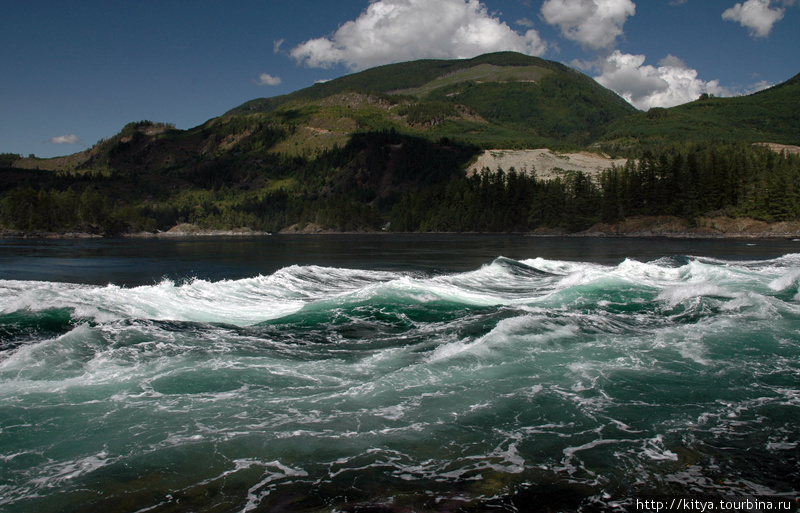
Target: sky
(75,72)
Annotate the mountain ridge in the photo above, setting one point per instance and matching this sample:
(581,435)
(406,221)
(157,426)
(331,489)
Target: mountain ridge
(521,100)
(503,100)
(342,157)
(771,115)
(393,77)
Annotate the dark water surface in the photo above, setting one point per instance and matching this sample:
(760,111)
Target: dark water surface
(145,261)
(396,373)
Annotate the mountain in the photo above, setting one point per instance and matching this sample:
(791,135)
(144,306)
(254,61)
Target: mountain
(505,100)
(771,115)
(388,148)
(500,99)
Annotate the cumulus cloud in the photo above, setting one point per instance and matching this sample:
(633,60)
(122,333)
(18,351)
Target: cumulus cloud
(402,30)
(757,15)
(644,86)
(671,61)
(595,24)
(266,79)
(66,139)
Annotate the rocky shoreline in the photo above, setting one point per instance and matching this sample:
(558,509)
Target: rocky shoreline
(636,227)
(704,227)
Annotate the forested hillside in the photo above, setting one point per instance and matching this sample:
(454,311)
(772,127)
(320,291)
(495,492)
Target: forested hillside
(772,115)
(387,149)
(348,188)
(686,181)
(398,183)
(497,100)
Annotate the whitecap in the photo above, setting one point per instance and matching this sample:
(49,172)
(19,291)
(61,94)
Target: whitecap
(786,281)
(522,331)
(680,293)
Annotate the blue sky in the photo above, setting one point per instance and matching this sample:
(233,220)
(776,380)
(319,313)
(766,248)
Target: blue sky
(76,72)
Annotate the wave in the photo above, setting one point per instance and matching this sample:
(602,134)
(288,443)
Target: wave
(611,379)
(535,282)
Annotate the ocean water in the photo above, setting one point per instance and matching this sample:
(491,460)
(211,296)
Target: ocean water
(396,373)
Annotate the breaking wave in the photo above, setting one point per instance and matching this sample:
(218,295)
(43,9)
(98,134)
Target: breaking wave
(318,387)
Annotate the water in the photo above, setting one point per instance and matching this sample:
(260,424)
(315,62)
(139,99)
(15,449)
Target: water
(396,373)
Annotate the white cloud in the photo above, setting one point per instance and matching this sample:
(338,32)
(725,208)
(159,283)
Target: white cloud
(757,15)
(758,86)
(595,24)
(672,62)
(66,139)
(265,79)
(403,30)
(645,86)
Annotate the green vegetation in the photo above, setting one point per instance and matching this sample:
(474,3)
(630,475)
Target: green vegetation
(482,73)
(51,210)
(348,188)
(560,107)
(393,78)
(386,179)
(432,113)
(737,180)
(772,115)
(387,148)
(497,100)
(8,159)
(686,181)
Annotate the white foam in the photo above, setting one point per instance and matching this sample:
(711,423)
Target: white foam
(781,446)
(289,290)
(257,493)
(570,452)
(57,473)
(240,302)
(654,449)
(786,281)
(524,330)
(680,293)
(40,360)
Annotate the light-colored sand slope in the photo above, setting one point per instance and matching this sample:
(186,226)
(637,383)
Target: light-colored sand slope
(545,163)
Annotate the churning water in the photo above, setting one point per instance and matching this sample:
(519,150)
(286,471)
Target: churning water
(522,384)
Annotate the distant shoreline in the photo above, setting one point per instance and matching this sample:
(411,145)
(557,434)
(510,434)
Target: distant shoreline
(638,227)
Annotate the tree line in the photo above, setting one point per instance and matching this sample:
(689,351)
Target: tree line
(378,183)
(687,181)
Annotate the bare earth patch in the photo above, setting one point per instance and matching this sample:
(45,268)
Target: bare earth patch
(545,163)
(780,148)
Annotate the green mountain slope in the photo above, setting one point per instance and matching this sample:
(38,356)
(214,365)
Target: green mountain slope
(396,77)
(502,99)
(387,148)
(772,115)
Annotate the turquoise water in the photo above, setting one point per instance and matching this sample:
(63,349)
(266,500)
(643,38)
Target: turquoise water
(382,380)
